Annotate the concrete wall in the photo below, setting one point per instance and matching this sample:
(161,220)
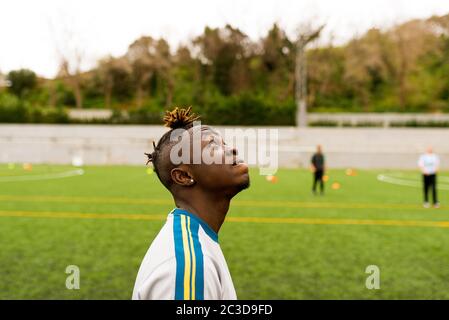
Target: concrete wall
(100,144)
(89,114)
(341,119)
(383,119)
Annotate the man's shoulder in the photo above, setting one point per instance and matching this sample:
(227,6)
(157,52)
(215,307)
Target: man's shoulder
(161,248)
(159,258)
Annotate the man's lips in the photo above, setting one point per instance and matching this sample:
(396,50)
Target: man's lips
(241,166)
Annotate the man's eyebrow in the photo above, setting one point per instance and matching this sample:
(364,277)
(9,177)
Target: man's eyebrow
(210,129)
(209,135)
(214,134)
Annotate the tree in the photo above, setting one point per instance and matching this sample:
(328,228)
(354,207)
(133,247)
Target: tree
(277,55)
(115,77)
(369,67)
(21,82)
(326,86)
(164,68)
(71,53)
(413,39)
(72,77)
(185,72)
(148,59)
(224,52)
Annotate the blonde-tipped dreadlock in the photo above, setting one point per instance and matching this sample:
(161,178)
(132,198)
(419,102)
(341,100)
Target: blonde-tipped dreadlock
(176,119)
(150,155)
(179,118)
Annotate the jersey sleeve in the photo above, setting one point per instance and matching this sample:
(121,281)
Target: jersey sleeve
(160,284)
(212,283)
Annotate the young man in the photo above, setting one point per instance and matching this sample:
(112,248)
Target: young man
(185,261)
(429,164)
(317,162)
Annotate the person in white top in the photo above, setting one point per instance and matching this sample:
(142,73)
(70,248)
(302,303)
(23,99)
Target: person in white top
(185,261)
(429,163)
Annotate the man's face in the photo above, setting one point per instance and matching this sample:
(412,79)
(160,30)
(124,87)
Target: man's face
(220,169)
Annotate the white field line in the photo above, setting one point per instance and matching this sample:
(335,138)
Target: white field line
(48,176)
(400,180)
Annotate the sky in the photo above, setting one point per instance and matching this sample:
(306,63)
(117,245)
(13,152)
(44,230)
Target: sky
(35,34)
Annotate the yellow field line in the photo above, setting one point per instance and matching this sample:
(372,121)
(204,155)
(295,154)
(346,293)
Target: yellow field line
(237,203)
(270,220)
(80,215)
(84,199)
(332,221)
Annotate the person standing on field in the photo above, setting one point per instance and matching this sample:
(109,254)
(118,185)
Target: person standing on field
(429,163)
(185,261)
(318,168)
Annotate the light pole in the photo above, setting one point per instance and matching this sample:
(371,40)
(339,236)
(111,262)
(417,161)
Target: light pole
(304,39)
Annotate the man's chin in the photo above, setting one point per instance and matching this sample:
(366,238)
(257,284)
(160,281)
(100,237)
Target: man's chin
(242,185)
(245,184)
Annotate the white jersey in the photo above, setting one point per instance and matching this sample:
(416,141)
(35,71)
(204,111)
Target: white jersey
(184,262)
(429,163)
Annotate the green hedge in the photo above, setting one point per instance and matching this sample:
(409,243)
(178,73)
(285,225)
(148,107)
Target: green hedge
(12,110)
(23,114)
(244,109)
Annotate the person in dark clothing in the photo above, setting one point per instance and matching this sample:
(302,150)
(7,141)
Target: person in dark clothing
(318,168)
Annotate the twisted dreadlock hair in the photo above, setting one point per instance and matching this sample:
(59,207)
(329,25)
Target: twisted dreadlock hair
(179,118)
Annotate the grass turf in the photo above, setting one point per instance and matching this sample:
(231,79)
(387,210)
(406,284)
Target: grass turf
(267,260)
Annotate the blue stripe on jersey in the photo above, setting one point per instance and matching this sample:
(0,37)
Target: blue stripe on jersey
(190,253)
(179,253)
(199,274)
(211,233)
(198,284)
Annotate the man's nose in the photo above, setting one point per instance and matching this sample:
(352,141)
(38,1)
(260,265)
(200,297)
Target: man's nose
(231,151)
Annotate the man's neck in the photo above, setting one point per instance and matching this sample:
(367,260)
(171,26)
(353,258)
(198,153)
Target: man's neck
(210,208)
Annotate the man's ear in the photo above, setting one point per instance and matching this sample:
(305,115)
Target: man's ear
(182,177)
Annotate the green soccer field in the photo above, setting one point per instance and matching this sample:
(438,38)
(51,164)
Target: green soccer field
(280,241)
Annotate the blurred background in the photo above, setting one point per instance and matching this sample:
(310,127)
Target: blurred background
(233,61)
(351,64)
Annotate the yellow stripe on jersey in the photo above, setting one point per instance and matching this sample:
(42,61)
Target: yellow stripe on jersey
(192,250)
(187,270)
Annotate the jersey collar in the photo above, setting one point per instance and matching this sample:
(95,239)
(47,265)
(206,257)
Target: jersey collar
(211,233)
